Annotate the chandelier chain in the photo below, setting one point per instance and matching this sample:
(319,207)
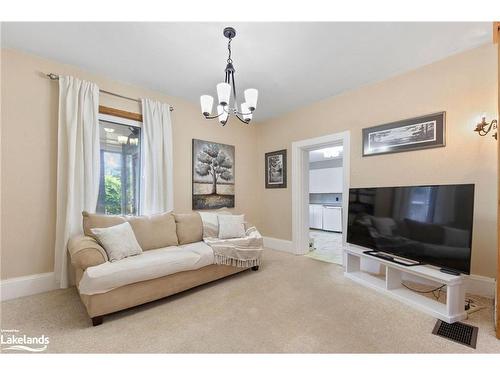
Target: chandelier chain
(229,60)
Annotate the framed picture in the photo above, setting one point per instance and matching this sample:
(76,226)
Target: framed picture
(212,175)
(406,135)
(276,169)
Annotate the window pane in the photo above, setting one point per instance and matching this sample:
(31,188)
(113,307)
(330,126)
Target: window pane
(120,169)
(420,203)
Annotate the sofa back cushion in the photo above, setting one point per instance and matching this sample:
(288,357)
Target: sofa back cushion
(155,231)
(152,232)
(91,221)
(189,228)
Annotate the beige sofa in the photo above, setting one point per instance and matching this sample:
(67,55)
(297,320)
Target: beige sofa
(174,259)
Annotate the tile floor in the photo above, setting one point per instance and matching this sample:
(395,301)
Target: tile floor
(327,246)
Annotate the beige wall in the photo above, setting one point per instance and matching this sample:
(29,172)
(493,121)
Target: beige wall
(29,145)
(463,85)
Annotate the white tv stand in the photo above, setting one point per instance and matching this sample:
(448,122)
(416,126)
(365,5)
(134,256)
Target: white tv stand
(389,283)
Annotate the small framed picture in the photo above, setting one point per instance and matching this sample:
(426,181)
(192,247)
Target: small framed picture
(405,135)
(276,169)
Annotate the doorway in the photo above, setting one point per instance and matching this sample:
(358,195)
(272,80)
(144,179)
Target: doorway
(304,153)
(325,203)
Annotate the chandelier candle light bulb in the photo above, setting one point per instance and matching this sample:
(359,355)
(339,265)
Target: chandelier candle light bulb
(207,102)
(251,96)
(222,114)
(227,89)
(224,93)
(245,111)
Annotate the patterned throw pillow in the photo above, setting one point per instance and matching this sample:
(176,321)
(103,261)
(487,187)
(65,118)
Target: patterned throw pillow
(119,241)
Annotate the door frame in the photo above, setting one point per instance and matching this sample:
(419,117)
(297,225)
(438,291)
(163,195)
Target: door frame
(496,39)
(300,185)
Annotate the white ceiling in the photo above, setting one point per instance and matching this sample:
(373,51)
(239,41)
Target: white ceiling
(292,64)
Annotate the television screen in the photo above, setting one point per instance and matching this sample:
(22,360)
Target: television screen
(429,224)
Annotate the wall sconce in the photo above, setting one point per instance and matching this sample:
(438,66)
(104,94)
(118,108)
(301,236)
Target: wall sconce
(483,127)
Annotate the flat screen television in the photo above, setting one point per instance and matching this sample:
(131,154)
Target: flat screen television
(429,224)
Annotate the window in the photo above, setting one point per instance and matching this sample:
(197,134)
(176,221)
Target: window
(421,207)
(119,186)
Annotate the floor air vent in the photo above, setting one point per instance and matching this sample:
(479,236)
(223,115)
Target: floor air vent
(458,332)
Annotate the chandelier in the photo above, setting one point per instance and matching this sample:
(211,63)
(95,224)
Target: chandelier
(224,89)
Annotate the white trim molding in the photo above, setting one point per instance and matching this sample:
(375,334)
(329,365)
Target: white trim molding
(278,244)
(300,185)
(27,285)
(480,285)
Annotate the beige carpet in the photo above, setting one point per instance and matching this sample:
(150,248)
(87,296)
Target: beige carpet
(293,304)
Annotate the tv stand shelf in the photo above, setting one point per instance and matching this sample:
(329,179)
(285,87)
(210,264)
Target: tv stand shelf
(391,284)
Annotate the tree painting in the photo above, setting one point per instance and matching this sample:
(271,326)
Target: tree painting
(213,175)
(214,162)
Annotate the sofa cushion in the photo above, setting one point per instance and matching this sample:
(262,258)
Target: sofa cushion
(211,222)
(119,241)
(146,266)
(189,228)
(231,226)
(155,231)
(99,221)
(152,232)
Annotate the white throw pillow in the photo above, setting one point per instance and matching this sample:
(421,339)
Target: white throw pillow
(210,222)
(119,241)
(231,226)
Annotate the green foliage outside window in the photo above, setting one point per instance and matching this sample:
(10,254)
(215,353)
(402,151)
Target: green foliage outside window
(112,202)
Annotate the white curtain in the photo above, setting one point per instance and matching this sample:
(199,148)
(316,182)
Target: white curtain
(157,190)
(77,164)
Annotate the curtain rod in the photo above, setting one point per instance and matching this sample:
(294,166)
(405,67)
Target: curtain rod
(55,77)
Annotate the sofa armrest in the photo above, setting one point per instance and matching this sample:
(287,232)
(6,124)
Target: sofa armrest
(86,252)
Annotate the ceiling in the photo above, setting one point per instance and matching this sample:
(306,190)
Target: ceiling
(291,64)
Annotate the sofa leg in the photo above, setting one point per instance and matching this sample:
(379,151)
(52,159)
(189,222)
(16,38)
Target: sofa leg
(255,268)
(97,320)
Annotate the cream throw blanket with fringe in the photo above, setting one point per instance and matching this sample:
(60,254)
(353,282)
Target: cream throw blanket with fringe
(238,252)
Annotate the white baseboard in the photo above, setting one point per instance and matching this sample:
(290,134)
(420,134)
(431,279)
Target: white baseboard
(278,244)
(27,285)
(480,285)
